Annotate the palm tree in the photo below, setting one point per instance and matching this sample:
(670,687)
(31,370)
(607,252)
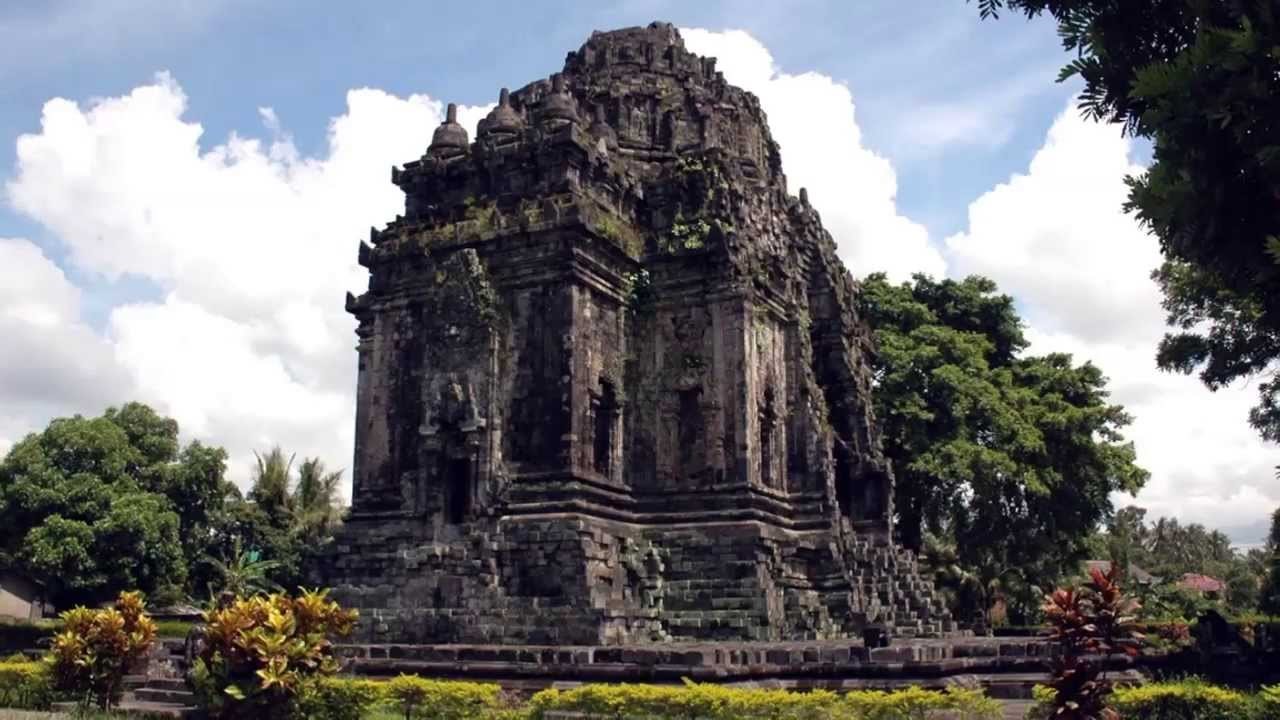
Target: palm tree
(271,482)
(314,502)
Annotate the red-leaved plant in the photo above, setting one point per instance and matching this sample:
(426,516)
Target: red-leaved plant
(1090,625)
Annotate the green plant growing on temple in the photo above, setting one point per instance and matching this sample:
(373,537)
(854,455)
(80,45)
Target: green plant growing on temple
(638,291)
(690,235)
(96,648)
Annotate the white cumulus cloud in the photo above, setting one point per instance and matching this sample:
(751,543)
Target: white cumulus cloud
(1057,240)
(53,363)
(252,243)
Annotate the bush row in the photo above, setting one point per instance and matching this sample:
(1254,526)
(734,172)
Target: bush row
(413,697)
(28,686)
(1190,699)
(25,685)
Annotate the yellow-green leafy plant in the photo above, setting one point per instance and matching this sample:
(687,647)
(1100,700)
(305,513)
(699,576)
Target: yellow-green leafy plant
(259,653)
(914,703)
(422,699)
(332,698)
(25,685)
(716,702)
(96,648)
(1184,699)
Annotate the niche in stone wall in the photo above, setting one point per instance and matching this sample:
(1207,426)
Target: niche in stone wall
(691,431)
(768,428)
(457,489)
(604,420)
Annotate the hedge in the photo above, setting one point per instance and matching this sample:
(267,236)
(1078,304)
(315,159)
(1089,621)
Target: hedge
(417,698)
(25,685)
(1190,699)
(717,702)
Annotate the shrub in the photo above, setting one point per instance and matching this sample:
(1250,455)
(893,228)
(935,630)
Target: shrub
(1190,699)
(422,699)
(337,699)
(1093,621)
(716,702)
(25,685)
(259,653)
(915,702)
(95,649)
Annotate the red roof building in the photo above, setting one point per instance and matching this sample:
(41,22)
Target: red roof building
(1204,584)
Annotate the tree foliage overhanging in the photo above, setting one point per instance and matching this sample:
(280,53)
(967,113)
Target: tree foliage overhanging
(90,507)
(1011,459)
(1201,80)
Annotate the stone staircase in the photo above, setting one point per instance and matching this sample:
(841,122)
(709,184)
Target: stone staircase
(162,691)
(897,593)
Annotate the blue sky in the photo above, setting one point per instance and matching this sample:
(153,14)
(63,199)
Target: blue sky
(903,60)
(928,138)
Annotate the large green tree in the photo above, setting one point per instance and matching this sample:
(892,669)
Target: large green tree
(1012,459)
(84,509)
(1201,80)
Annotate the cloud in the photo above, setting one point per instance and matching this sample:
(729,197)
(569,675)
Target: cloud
(252,244)
(53,363)
(1057,240)
(812,118)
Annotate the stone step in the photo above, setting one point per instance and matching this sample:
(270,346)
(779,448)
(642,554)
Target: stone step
(165,695)
(135,708)
(166,683)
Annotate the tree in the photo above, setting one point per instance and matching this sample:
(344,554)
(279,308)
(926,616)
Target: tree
(271,483)
(1011,458)
(1200,80)
(288,517)
(1169,549)
(1270,594)
(317,510)
(94,506)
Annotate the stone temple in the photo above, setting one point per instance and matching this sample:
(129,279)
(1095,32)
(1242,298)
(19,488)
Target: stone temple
(613,385)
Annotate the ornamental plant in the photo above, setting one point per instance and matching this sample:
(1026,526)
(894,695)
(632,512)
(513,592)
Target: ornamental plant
(419,698)
(258,654)
(1090,624)
(96,648)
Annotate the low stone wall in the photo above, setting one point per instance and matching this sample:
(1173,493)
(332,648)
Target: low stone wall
(799,664)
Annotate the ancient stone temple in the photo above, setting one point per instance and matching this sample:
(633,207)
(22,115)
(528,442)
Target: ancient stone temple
(613,386)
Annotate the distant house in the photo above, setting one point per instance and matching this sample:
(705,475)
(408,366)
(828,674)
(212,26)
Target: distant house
(21,597)
(1202,584)
(1132,574)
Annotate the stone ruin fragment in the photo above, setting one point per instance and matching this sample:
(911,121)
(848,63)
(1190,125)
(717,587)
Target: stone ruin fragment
(613,385)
